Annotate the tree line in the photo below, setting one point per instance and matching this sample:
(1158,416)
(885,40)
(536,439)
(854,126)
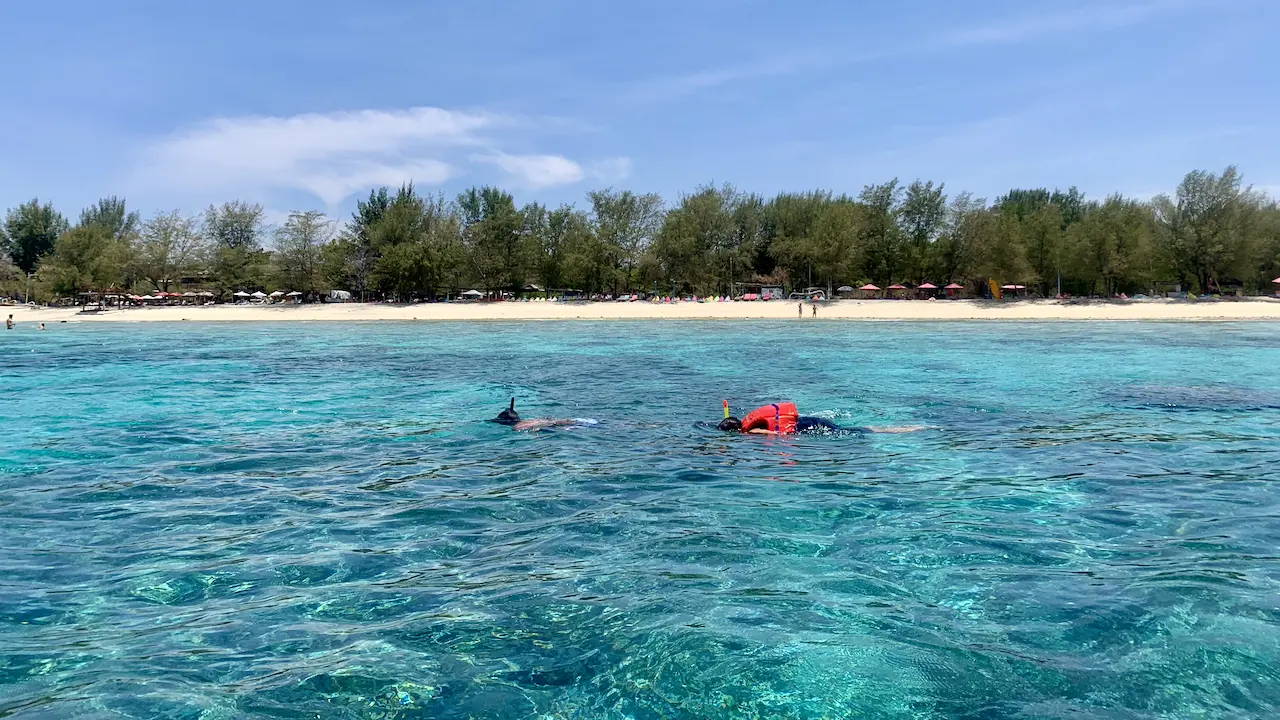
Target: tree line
(1212,233)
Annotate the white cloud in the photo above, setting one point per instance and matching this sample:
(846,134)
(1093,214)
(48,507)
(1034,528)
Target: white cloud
(611,170)
(536,171)
(329,155)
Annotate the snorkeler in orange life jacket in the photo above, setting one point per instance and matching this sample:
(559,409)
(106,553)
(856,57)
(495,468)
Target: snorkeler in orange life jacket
(784,419)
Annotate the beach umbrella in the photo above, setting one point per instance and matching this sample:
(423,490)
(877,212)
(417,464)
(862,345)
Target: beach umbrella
(473,293)
(869,288)
(844,288)
(896,286)
(240,294)
(1008,287)
(954,286)
(295,293)
(1276,281)
(278,293)
(188,294)
(258,294)
(928,286)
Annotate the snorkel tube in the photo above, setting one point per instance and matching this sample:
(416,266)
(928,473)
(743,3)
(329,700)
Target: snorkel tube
(726,409)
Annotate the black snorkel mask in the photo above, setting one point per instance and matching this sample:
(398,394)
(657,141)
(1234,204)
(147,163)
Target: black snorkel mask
(508,416)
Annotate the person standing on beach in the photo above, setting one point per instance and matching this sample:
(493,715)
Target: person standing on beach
(815,309)
(800,308)
(8,324)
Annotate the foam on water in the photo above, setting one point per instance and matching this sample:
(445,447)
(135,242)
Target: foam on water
(224,521)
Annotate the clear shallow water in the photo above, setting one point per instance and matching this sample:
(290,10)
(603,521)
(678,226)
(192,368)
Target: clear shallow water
(204,521)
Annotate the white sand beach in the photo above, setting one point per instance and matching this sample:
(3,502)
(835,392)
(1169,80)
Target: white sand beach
(866,310)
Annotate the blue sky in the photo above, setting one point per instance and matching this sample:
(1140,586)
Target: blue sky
(307,104)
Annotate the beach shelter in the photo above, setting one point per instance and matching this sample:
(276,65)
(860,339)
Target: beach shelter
(240,294)
(473,294)
(953,289)
(927,288)
(897,289)
(869,289)
(295,293)
(258,294)
(277,293)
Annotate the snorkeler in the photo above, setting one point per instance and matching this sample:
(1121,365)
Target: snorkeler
(511,418)
(784,419)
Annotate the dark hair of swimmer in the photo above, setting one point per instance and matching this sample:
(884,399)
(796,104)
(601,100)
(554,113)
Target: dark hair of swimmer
(508,416)
(730,424)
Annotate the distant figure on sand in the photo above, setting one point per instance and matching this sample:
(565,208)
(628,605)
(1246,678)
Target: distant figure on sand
(8,324)
(815,309)
(784,419)
(800,308)
(511,418)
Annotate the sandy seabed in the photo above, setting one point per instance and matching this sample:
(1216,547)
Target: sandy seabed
(1023,310)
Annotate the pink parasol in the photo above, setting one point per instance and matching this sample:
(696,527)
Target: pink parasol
(928,286)
(954,286)
(869,287)
(1276,281)
(896,286)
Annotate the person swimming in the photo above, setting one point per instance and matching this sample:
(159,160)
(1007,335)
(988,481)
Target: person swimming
(784,419)
(511,418)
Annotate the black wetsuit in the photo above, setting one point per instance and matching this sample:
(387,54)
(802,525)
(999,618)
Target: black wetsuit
(808,424)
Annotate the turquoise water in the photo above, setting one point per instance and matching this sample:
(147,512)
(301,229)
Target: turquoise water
(309,520)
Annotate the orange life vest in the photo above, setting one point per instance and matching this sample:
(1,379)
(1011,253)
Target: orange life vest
(778,417)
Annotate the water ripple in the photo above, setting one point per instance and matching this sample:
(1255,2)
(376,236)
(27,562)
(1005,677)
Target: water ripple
(282,521)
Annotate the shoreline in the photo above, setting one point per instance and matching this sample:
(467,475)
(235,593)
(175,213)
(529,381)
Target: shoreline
(1253,309)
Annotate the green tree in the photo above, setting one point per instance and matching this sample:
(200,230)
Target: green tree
(494,235)
(111,216)
(626,224)
(1042,235)
(881,235)
(416,240)
(357,244)
(1204,231)
(299,250)
(30,231)
(789,222)
(1113,243)
(85,258)
(169,245)
(699,240)
(923,213)
(234,233)
(957,251)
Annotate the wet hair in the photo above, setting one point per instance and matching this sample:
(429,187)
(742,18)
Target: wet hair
(730,424)
(508,416)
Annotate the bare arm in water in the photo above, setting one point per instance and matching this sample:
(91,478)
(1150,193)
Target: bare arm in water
(540,424)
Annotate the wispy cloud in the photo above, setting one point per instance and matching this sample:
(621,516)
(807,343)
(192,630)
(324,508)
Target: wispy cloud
(611,170)
(1009,30)
(536,171)
(334,155)
(1026,28)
